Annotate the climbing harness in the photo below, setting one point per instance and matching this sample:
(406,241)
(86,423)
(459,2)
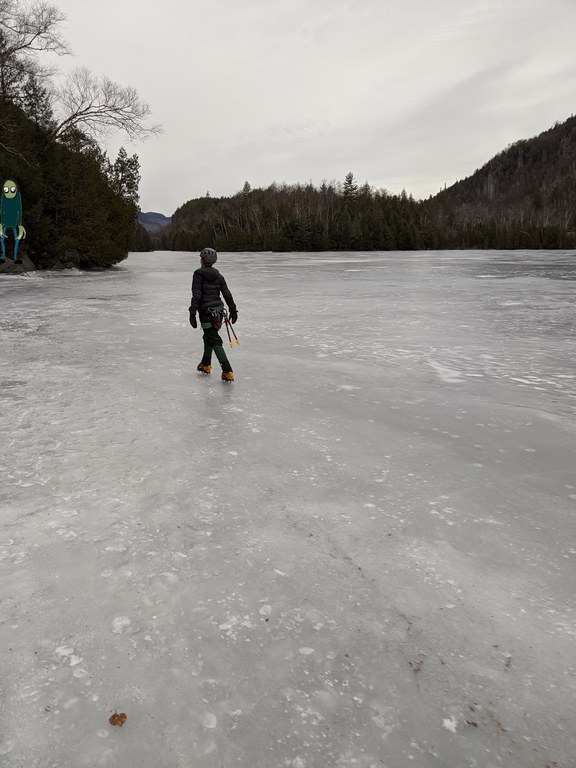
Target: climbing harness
(217,315)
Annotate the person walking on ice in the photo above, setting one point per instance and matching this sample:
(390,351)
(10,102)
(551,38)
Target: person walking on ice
(207,285)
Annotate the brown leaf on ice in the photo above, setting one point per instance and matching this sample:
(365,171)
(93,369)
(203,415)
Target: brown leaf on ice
(117,719)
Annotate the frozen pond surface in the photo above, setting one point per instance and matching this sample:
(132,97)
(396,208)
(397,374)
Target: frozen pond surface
(360,554)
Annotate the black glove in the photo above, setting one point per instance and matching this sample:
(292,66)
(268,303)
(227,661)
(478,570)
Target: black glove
(233,316)
(193,321)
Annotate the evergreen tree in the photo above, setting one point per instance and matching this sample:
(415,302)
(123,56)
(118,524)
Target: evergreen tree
(124,176)
(350,190)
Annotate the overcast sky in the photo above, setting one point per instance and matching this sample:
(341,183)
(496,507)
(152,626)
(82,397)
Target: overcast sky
(404,93)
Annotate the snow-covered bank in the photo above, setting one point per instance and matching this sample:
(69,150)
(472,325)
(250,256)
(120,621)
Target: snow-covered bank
(362,553)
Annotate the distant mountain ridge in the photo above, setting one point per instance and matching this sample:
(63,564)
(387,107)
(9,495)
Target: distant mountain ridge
(152,221)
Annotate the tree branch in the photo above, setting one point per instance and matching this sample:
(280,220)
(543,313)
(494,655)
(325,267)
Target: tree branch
(30,28)
(100,107)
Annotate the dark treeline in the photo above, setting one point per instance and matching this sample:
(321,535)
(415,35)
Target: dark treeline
(525,197)
(342,217)
(296,218)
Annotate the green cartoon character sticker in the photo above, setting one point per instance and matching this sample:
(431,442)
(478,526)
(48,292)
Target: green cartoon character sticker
(11,217)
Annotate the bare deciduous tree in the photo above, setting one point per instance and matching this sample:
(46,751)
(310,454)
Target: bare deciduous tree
(26,29)
(95,105)
(99,107)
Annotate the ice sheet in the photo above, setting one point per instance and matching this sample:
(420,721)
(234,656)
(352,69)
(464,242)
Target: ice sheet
(361,553)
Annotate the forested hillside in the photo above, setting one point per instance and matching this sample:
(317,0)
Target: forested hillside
(525,197)
(333,217)
(78,207)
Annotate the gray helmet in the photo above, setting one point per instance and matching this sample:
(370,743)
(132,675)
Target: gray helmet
(208,255)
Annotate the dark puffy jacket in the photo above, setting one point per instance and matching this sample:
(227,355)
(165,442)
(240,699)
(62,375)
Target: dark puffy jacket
(207,285)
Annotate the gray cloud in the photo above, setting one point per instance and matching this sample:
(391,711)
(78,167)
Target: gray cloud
(405,93)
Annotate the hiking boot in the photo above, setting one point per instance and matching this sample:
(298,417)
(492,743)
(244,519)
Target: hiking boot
(227,376)
(204,368)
